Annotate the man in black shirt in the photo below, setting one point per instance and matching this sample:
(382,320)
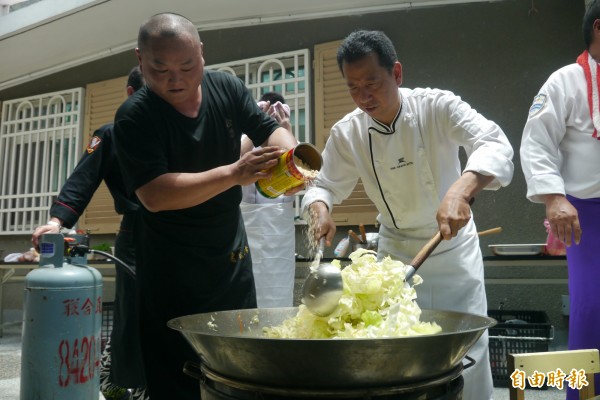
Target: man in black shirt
(178,141)
(121,361)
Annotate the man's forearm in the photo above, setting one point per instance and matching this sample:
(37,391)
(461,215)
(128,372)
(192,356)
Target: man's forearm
(175,191)
(469,184)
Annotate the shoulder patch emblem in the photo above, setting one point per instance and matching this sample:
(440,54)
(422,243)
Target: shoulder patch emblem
(93,145)
(538,103)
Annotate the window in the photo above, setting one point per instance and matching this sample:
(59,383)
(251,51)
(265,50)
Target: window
(39,147)
(286,73)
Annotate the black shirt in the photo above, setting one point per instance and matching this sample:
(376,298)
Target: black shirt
(99,162)
(153,139)
(192,260)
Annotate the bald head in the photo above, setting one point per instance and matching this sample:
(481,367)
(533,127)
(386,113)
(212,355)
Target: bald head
(166,26)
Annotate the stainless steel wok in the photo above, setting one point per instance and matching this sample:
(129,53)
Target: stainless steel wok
(231,343)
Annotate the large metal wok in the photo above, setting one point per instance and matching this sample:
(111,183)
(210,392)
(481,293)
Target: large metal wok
(231,343)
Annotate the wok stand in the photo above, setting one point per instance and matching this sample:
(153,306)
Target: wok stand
(214,386)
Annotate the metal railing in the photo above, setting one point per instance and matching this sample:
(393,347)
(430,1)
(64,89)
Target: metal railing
(39,147)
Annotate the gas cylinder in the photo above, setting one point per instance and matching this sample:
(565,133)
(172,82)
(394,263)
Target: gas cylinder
(62,318)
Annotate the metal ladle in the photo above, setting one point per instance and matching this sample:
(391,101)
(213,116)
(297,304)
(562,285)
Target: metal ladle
(323,286)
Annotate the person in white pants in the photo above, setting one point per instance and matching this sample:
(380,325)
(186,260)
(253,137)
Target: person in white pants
(270,227)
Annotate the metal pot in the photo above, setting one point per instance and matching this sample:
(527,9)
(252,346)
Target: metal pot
(232,344)
(372,242)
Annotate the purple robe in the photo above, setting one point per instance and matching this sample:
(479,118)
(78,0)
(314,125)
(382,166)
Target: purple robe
(584,283)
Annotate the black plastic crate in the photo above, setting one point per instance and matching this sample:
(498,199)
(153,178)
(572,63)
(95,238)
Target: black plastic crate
(517,331)
(108,309)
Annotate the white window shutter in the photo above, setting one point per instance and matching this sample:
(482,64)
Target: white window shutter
(332,102)
(102,101)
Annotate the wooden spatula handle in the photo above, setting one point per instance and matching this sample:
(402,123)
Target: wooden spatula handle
(429,247)
(426,250)
(354,236)
(490,231)
(363,233)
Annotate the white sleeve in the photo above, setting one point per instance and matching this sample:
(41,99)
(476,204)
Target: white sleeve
(488,149)
(543,132)
(338,175)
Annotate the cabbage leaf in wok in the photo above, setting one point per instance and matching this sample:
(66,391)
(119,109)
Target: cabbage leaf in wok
(375,303)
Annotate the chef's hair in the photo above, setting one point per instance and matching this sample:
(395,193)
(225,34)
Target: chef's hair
(135,79)
(592,14)
(361,43)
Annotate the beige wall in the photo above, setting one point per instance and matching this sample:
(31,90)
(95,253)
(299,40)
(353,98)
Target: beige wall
(495,55)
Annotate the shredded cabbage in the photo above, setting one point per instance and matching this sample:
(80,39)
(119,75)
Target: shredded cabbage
(375,303)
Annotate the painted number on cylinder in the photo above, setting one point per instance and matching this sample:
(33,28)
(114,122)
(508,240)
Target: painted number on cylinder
(78,361)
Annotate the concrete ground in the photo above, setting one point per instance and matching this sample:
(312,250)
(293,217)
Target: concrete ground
(10,364)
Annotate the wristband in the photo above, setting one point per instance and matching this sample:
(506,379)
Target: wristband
(54,223)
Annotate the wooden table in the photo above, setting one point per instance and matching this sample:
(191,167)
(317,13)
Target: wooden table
(15,272)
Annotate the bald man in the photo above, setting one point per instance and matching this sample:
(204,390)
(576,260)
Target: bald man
(178,142)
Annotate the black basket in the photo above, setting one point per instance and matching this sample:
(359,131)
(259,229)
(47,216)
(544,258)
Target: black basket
(108,309)
(517,331)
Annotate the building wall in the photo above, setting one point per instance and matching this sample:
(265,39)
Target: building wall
(494,55)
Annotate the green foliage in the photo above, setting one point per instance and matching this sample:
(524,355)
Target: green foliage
(102,247)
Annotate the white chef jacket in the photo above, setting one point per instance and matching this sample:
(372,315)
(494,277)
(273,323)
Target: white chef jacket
(558,152)
(407,168)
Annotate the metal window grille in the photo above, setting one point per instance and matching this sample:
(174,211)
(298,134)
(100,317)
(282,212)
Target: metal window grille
(286,73)
(39,147)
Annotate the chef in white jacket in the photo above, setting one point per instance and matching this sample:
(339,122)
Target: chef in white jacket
(404,145)
(560,156)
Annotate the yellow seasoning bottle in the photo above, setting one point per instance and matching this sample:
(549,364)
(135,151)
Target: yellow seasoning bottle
(287,174)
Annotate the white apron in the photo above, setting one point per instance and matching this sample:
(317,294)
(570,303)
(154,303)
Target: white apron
(271,237)
(453,275)
(452,280)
